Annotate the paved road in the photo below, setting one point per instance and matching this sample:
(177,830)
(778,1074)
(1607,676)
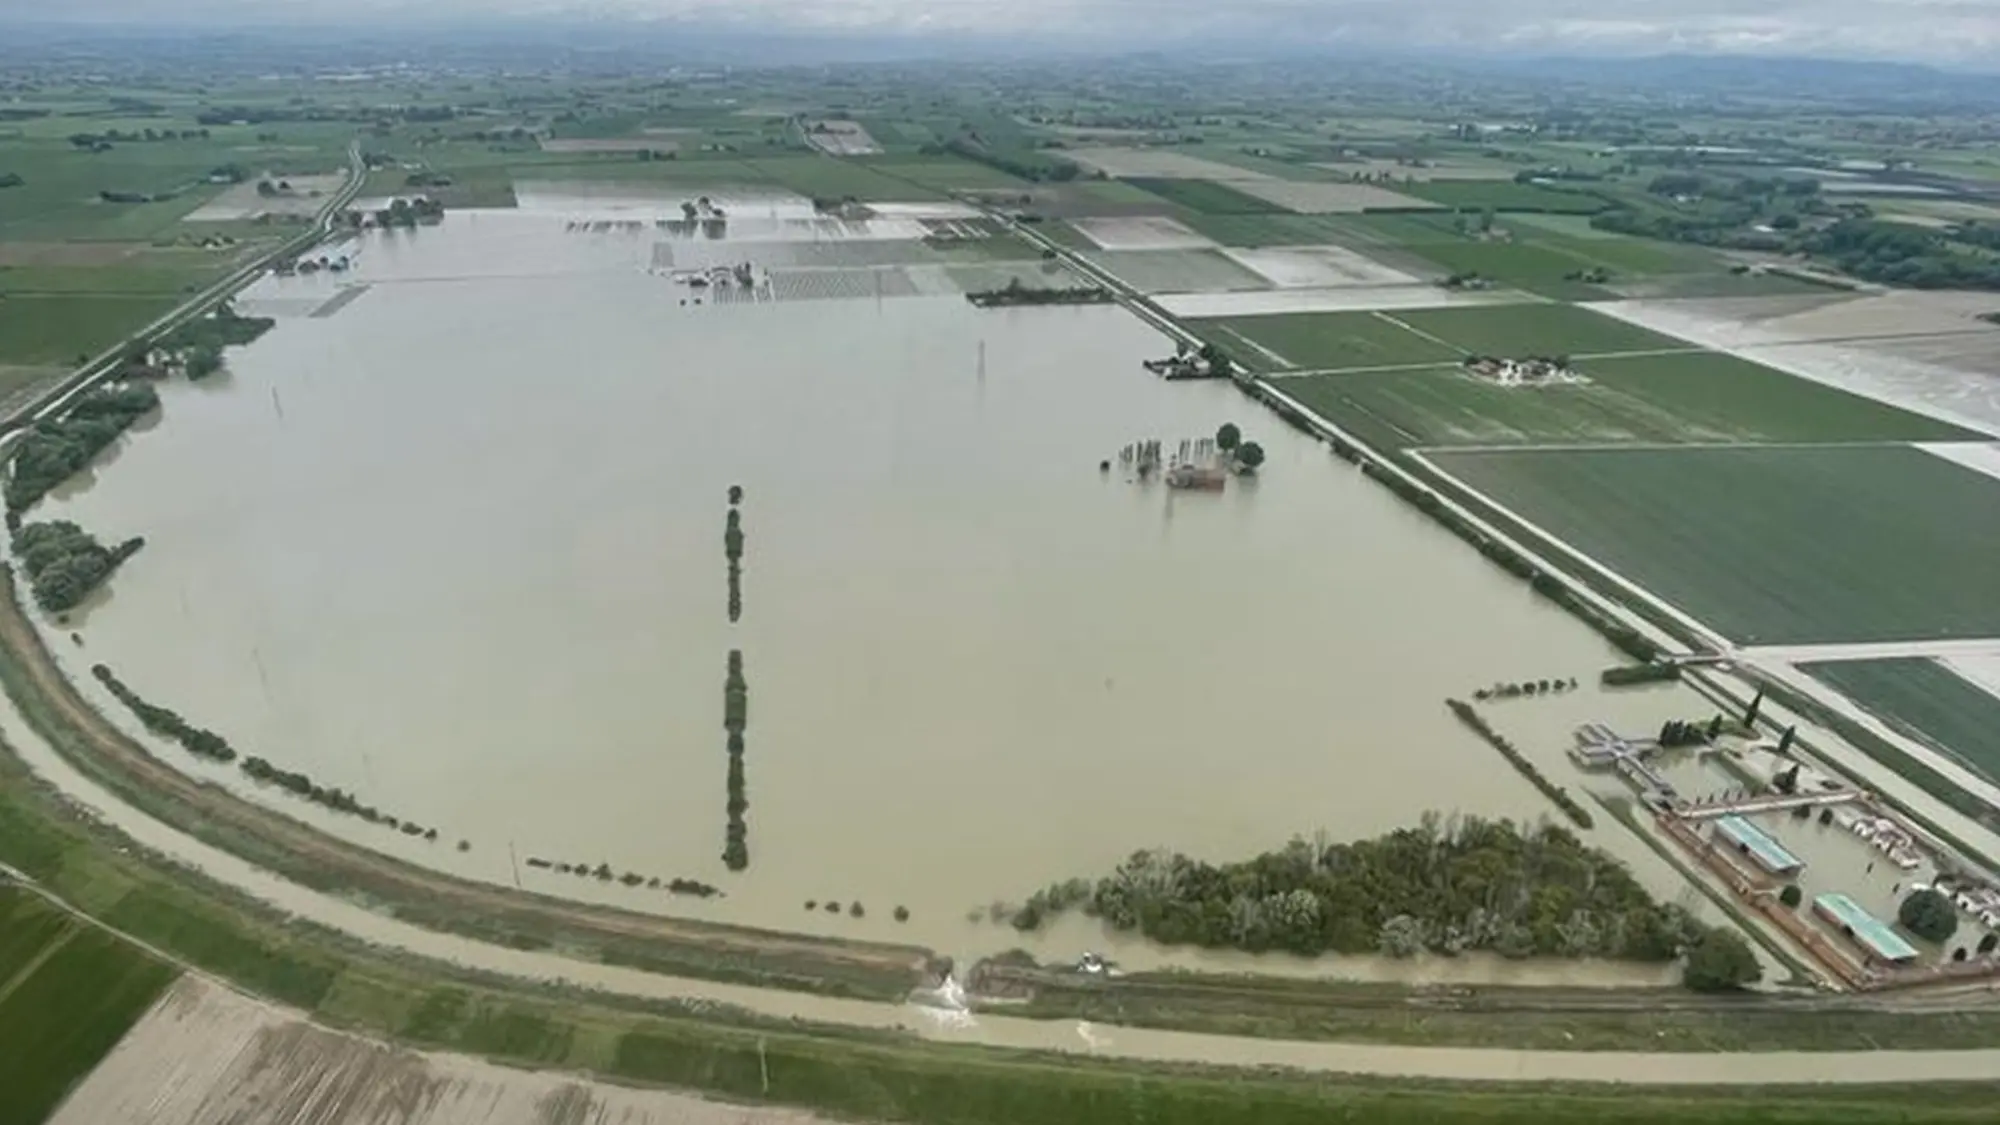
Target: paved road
(58,398)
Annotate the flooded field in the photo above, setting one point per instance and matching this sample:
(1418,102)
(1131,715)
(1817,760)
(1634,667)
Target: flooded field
(457,548)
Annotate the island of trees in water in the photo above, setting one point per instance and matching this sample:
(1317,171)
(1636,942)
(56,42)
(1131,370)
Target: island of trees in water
(54,450)
(64,563)
(1447,886)
(735,717)
(1014,293)
(732,549)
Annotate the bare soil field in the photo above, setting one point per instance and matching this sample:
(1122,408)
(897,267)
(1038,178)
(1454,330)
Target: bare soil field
(649,143)
(242,201)
(1316,267)
(1141,232)
(1327,199)
(1159,162)
(207,1055)
(842,138)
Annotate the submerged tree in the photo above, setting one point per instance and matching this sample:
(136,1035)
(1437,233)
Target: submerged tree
(1228,437)
(1929,914)
(1250,455)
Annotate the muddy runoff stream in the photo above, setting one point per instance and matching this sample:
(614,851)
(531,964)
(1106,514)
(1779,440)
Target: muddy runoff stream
(457,547)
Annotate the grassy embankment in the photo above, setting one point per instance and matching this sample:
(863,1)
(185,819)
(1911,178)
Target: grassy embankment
(865,1075)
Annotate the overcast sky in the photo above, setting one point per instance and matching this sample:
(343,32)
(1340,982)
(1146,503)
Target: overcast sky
(1939,30)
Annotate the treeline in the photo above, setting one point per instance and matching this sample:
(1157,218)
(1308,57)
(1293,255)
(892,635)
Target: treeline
(52,451)
(195,740)
(1626,675)
(1021,164)
(1918,257)
(102,142)
(1468,715)
(603,874)
(1628,640)
(735,717)
(1525,688)
(204,743)
(1015,293)
(1446,886)
(732,550)
(854,909)
(64,563)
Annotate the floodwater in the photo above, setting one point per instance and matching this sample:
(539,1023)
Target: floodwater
(457,548)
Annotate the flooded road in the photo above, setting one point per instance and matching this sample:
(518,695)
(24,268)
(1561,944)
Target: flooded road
(457,548)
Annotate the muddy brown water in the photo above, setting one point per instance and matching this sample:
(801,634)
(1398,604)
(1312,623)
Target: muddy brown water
(458,549)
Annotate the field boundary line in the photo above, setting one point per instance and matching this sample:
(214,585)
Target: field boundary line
(41,957)
(1648,446)
(1418,332)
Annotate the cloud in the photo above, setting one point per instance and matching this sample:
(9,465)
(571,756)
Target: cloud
(1916,29)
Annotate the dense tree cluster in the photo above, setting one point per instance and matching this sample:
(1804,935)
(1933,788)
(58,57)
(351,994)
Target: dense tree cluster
(1444,886)
(64,563)
(1929,914)
(1918,257)
(1719,960)
(735,717)
(223,328)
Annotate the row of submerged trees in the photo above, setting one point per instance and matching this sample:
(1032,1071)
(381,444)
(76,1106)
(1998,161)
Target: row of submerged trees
(735,699)
(207,744)
(1571,808)
(1446,886)
(603,874)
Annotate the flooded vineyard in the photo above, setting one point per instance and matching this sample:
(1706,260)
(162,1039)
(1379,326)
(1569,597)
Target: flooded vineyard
(454,548)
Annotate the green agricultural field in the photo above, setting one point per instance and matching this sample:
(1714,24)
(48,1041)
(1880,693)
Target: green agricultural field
(825,176)
(1774,544)
(1503,195)
(1253,231)
(144,276)
(1333,341)
(1927,701)
(1206,197)
(1177,271)
(946,173)
(56,331)
(68,993)
(1515,331)
(1697,397)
